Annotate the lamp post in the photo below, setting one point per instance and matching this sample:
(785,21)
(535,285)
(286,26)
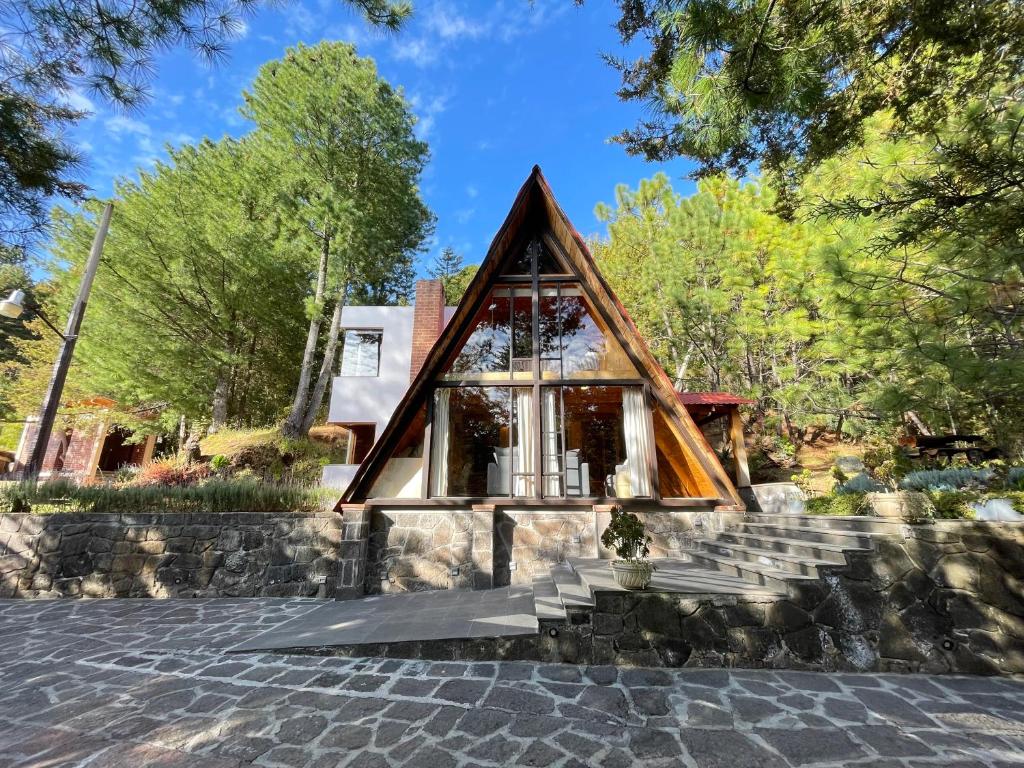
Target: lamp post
(13,307)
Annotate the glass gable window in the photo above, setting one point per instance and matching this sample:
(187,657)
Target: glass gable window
(360,353)
(500,341)
(538,376)
(572,342)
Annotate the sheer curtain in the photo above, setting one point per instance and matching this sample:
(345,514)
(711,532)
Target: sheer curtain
(638,443)
(439,443)
(552,435)
(522,455)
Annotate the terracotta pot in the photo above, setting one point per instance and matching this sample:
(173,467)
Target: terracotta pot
(632,575)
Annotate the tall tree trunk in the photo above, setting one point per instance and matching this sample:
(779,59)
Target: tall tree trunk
(327,366)
(243,400)
(190,451)
(219,415)
(292,426)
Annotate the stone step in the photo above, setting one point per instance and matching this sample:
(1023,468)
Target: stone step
(832,553)
(546,603)
(754,573)
(781,561)
(859,523)
(672,576)
(572,592)
(846,539)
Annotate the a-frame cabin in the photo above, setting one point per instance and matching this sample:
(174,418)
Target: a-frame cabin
(537,410)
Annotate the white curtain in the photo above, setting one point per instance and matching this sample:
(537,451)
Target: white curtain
(552,433)
(638,443)
(522,454)
(439,443)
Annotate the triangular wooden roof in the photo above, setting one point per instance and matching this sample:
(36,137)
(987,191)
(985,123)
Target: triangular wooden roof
(536,213)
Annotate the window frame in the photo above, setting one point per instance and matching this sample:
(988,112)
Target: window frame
(537,382)
(344,345)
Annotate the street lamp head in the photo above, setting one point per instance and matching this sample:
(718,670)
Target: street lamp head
(13,305)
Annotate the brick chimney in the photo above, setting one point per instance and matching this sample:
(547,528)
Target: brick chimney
(427,321)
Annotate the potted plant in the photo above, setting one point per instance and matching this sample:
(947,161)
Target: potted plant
(627,536)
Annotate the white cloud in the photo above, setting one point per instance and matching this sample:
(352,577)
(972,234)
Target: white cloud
(427,112)
(120,125)
(240,29)
(472,191)
(300,21)
(420,51)
(75,99)
(449,24)
(463,215)
(512,19)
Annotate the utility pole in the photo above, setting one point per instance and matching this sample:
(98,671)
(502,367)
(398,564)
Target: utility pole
(67,348)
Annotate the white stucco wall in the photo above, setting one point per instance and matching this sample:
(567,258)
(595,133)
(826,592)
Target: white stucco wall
(372,399)
(368,399)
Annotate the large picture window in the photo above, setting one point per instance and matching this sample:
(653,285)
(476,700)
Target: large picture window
(500,342)
(360,353)
(596,442)
(539,377)
(573,344)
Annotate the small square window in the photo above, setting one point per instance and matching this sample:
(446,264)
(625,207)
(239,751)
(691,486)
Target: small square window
(360,355)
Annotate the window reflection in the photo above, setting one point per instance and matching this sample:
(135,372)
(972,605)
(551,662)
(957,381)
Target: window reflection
(500,340)
(572,342)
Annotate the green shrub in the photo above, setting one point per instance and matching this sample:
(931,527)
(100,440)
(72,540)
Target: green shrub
(850,503)
(887,462)
(940,479)
(627,536)
(859,484)
(952,505)
(212,496)
(1015,478)
(266,454)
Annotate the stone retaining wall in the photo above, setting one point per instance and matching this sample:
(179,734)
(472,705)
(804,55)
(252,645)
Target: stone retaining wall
(947,597)
(943,598)
(170,555)
(410,551)
(485,546)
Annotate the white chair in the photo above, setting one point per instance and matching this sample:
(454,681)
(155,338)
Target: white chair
(577,474)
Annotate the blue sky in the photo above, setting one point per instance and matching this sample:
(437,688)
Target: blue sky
(497,87)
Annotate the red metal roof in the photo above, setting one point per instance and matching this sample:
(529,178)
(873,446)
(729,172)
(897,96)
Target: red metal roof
(712,398)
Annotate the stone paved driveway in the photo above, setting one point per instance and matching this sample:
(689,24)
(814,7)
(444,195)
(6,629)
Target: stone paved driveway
(148,683)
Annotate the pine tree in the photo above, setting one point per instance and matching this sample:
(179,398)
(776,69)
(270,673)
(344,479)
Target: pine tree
(193,308)
(445,268)
(106,47)
(347,165)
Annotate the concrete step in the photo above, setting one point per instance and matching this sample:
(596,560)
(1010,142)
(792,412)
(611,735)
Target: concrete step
(673,576)
(546,603)
(572,592)
(846,539)
(754,573)
(859,523)
(832,553)
(781,561)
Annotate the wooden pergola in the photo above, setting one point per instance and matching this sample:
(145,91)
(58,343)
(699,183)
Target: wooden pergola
(706,407)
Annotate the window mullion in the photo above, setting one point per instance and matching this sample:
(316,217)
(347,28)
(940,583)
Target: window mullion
(538,469)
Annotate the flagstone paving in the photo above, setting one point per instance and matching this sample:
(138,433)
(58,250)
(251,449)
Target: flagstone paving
(149,683)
